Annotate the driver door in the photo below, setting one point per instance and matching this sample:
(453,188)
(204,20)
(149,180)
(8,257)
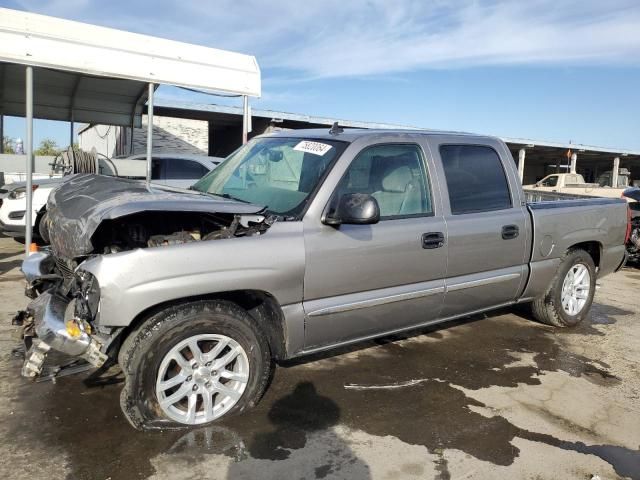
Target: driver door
(364,280)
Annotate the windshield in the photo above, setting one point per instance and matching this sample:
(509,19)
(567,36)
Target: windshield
(278,173)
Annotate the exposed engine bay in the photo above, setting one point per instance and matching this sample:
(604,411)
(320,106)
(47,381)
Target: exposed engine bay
(157,229)
(91,214)
(140,230)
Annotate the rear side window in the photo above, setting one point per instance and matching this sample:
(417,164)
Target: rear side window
(182,169)
(475,179)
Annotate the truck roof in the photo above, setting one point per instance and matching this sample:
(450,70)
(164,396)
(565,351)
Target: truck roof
(352,134)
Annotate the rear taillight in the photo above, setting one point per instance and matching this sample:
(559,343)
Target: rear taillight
(628,234)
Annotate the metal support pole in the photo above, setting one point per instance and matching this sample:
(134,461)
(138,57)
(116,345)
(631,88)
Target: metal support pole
(521,156)
(71,131)
(574,161)
(245,119)
(149,131)
(1,133)
(28,145)
(614,172)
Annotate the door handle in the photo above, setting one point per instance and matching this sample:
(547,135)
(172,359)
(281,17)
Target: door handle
(510,231)
(432,240)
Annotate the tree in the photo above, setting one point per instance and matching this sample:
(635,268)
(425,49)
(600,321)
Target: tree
(47,147)
(7,144)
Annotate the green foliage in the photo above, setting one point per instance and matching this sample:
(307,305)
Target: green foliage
(47,147)
(7,143)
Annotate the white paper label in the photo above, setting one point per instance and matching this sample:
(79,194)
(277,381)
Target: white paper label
(316,148)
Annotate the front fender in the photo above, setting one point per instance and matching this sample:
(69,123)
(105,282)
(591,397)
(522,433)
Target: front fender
(131,282)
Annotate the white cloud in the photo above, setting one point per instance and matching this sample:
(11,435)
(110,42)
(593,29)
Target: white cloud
(334,38)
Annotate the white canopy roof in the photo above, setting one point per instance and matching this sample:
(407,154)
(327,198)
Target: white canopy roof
(98,75)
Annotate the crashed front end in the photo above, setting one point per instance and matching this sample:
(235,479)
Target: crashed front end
(61,314)
(89,218)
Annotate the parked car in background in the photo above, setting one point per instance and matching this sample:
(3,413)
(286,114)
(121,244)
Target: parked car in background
(9,178)
(297,243)
(172,169)
(13,204)
(175,170)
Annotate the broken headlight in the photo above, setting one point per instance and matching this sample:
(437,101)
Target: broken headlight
(87,295)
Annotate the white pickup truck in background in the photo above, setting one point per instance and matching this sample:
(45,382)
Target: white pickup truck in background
(574,184)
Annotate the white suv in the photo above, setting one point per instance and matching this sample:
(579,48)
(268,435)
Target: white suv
(174,170)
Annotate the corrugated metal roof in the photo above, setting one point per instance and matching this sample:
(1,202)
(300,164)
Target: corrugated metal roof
(256,112)
(317,120)
(43,41)
(576,147)
(99,75)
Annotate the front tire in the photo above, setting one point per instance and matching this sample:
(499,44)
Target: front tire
(568,299)
(192,364)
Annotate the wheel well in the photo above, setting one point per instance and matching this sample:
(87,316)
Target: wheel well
(261,306)
(593,248)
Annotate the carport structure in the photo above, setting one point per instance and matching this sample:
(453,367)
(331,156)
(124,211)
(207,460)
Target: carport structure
(58,69)
(537,159)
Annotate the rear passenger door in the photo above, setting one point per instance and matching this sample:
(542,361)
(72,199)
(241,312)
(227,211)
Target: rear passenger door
(363,280)
(486,223)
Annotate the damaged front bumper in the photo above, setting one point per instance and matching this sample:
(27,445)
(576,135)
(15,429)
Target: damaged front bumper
(49,322)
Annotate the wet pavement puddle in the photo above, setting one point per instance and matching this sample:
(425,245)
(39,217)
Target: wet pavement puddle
(410,388)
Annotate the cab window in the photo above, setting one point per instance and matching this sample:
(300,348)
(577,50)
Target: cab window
(475,179)
(394,175)
(550,181)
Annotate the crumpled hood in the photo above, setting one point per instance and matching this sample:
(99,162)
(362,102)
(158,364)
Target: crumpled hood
(79,205)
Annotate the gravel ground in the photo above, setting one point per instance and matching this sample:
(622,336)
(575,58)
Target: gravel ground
(493,396)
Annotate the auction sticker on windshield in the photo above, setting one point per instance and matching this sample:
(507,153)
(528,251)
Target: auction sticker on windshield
(316,148)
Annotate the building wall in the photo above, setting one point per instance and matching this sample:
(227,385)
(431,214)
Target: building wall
(170,135)
(11,163)
(101,137)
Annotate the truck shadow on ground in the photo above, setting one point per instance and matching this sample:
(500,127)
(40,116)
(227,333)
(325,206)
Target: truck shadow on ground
(355,388)
(6,266)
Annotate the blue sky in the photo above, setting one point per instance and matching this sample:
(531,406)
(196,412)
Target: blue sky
(540,69)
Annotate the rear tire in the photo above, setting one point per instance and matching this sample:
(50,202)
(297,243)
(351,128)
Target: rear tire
(166,349)
(568,300)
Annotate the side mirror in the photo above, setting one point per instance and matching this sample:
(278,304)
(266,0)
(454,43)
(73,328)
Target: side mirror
(354,209)
(275,155)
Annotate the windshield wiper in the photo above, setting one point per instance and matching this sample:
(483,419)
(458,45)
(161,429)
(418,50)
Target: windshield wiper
(225,195)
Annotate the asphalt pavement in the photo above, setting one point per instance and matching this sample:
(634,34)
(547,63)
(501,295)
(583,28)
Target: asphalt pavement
(492,396)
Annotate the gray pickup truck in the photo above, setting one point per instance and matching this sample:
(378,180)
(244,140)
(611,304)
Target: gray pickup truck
(297,243)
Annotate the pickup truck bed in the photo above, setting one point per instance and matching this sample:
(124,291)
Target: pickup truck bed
(561,224)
